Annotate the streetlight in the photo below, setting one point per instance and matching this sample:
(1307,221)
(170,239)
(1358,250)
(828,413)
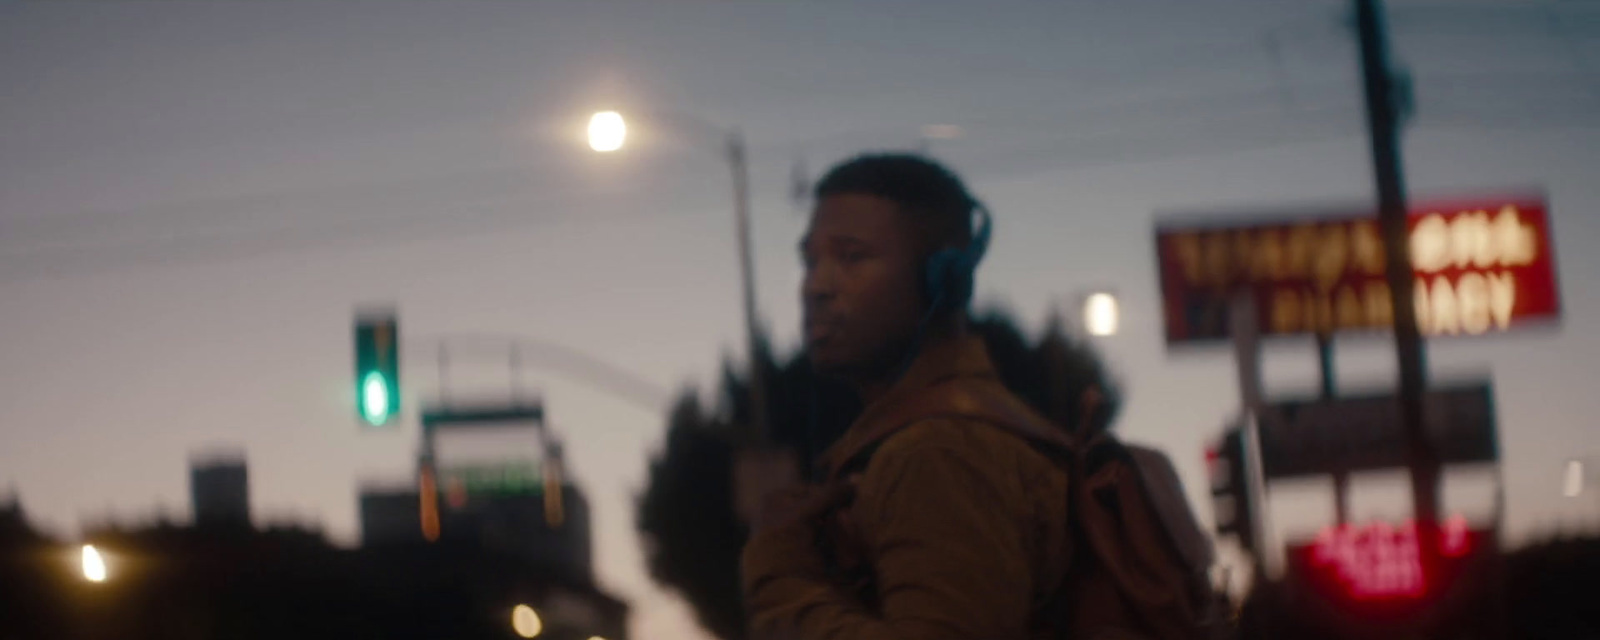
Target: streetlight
(1100,314)
(608,132)
(94,565)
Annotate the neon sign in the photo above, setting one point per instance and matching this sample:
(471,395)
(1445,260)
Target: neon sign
(1382,561)
(1480,266)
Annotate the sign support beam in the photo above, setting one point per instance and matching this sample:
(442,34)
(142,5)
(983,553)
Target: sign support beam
(1341,477)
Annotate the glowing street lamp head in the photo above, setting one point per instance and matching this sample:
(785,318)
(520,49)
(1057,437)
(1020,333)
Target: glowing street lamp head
(1100,315)
(94,565)
(607,131)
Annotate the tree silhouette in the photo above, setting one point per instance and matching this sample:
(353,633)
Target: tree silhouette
(686,512)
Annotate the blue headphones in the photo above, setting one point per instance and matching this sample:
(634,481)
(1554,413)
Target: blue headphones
(949,275)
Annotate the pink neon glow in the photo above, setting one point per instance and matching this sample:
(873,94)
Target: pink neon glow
(1381,560)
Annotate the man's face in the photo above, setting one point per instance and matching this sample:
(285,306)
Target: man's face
(861,290)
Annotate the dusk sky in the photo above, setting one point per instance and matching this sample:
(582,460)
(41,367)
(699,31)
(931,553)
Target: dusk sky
(196,196)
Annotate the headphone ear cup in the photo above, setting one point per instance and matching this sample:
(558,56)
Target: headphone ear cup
(949,275)
(958,289)
(939,274)
(948,278)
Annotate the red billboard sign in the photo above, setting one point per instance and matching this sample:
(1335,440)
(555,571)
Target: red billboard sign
(1482,266)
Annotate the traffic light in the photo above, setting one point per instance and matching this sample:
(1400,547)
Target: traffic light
(377,369)
(1232,505)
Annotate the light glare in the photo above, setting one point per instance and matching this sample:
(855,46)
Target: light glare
(94,566)
(1574,483)
(607,131)
(525,621)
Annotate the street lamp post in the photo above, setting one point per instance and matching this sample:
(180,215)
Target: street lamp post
(608,132)
(741,204)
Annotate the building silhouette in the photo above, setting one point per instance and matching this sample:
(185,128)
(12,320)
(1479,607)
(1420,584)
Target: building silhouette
(219,490)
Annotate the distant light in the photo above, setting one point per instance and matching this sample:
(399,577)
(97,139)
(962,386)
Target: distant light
(94,566)
(525,622)
(607,131)
(596,638)
(1100,314)
(1574,483)
(941,131)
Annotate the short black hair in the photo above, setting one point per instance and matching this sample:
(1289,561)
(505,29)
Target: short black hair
(927,191)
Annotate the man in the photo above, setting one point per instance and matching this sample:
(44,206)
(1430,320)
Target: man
(947,527)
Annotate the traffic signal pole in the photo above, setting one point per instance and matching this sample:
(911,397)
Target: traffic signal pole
(1382,109)
(1246,332)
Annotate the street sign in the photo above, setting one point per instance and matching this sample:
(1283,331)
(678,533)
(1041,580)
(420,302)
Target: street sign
(1482,266)
(512,477)
(1356,433)
(496,475)
(482,416)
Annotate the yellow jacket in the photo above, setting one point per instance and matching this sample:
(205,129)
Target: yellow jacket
(958,529)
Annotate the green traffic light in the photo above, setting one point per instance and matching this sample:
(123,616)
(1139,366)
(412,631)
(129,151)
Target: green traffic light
(375,406)
(377,372)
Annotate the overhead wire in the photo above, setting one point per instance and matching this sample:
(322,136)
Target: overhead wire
(171,248)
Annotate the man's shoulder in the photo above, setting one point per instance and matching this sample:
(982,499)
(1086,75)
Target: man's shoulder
(972,439)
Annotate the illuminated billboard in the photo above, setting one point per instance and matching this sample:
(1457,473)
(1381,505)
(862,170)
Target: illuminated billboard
(1481,266)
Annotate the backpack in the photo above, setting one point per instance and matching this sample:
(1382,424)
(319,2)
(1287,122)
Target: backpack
(1142,571)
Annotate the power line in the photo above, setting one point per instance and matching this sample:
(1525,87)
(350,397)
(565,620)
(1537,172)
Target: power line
(1096,149)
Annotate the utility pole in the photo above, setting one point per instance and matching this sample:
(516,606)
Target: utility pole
(1383,102)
